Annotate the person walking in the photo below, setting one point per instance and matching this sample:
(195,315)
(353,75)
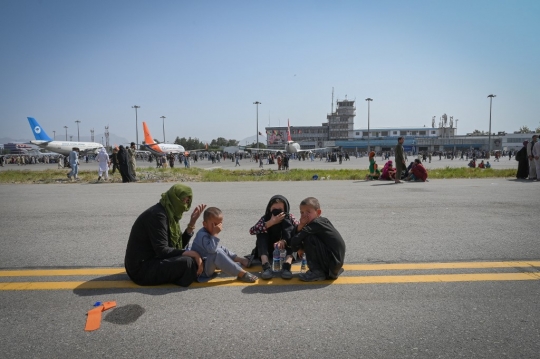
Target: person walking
(74,163)
(114,160)
(103,164)
(401,165)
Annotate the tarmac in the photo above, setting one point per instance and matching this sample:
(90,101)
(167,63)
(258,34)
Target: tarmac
(443,269)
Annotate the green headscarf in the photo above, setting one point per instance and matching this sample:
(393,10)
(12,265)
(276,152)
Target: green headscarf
(173,202)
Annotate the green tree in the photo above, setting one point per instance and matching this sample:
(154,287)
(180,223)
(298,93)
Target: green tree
(524,129)
(189,143)
(537,129)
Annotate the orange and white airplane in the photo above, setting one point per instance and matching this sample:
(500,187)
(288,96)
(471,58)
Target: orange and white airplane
(159,149)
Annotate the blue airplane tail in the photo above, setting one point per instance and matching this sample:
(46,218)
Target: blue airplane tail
(39,133)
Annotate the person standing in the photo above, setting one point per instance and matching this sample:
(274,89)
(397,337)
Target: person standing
(400,160)
(536,154)
(132,163)
(60,160)
(74,163)
(123,165)
(103,164)
(530,156)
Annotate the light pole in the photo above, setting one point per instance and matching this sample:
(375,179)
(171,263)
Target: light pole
(66,131)
(77,122)
(136,124)
(163,118)
(368,134)
(489,137)
(54,135)
(257,133)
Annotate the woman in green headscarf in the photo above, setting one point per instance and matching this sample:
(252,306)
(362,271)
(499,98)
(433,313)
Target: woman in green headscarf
(155,252)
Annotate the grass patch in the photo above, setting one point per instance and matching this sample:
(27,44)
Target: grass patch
(149,175)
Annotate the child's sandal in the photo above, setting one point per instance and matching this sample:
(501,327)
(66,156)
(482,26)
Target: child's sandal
(248,278)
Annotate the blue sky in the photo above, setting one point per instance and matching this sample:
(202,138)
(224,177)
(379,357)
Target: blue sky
(202,64)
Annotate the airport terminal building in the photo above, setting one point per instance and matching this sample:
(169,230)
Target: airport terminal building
(339,132)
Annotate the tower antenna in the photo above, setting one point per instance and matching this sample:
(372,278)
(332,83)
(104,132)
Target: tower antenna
(332,111)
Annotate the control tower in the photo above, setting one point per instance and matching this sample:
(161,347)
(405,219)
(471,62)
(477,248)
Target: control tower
(341,122)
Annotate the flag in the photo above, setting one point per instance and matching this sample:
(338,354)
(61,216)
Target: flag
(260,134)
(206,147)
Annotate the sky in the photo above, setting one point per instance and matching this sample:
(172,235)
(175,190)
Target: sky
(202,65)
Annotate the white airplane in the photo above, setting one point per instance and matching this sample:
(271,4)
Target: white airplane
(62,147)
(159,149)
(290,146)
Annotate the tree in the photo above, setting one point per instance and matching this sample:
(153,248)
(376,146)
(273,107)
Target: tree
(189,143)
(537,129)
(524,129)
(477,132)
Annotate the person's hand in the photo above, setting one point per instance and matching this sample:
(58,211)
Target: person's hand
(200,265)
(197,258)
(216,228)
(276,219)
(196,214)
(282,244)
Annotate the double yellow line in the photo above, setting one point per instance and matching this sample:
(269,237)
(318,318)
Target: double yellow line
(519,275)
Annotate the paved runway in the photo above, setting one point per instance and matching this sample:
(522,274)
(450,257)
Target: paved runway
(448,268)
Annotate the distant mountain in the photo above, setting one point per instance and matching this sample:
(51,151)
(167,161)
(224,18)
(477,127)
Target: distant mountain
(251,139)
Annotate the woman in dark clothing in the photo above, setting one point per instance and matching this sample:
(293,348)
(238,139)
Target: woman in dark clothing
(523,162)
(124,165)
(277,226)
(155,253)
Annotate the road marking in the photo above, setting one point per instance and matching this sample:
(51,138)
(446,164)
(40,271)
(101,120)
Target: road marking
(347,267)
(230,282)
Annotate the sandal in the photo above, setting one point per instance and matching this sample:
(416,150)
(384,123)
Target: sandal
(250,259)
(248,278)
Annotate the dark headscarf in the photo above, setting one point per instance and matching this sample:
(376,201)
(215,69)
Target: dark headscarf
(173,202)
(284,229)
(122,155)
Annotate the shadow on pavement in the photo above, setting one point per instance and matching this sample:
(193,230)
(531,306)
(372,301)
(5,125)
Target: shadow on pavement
(124,315)
(272,289)
(120,283)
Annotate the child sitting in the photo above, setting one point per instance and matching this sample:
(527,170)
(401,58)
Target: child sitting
(374,172)
(320,241)
(277,226)
(214,255)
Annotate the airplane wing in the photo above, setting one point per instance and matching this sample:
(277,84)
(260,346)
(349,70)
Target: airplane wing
(261,150)
(91,150)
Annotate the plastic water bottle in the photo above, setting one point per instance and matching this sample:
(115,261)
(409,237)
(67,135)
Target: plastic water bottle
(276,263)
(303,266)
(282,255)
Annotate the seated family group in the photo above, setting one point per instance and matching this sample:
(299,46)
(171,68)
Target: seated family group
(158,252)
(414,172)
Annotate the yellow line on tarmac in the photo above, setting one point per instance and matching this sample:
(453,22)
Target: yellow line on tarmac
(347,267)
(61,272)
(450,265)
(229,282)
